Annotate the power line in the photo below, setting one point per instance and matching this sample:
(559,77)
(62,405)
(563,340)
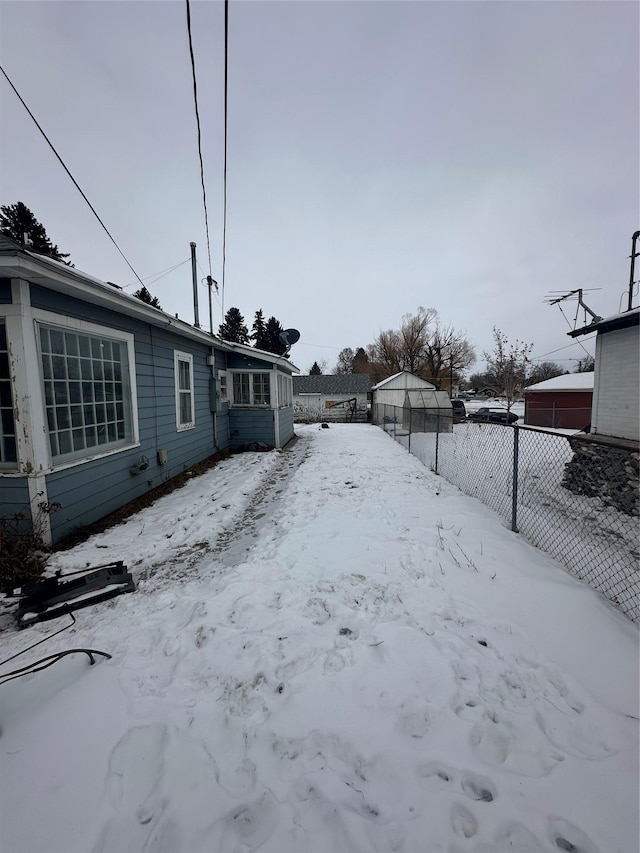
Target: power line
(195,102)
(62,163)
(226,125)
(538,357)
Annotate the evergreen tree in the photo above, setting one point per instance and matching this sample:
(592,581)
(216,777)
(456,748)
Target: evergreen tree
(258,331)
(315,369)
(233,329)
(272,337)
(16,221)
(360,361)
(144,296)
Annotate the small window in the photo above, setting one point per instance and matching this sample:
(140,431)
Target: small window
(222,379)
(185,416)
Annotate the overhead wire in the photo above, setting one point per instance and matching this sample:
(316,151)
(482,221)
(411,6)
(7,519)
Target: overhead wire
(195,102)
(64,166)
(156,276)
(226,134)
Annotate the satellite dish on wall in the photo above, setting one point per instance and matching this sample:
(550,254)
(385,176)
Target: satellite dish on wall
(289,337)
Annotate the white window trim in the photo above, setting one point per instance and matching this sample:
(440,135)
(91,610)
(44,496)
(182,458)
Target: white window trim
(49,318)
(187,357)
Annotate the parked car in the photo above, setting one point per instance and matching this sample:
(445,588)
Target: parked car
(499,416)
(459,411)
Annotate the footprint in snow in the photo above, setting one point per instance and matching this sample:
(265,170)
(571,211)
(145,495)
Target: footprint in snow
(443,777)
(515,836)
(567,837)
(136,765)
(463,822)
(246,827)
(316,610)
(134,777)
(573,736)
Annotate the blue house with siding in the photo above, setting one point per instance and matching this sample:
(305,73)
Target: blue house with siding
(103,397)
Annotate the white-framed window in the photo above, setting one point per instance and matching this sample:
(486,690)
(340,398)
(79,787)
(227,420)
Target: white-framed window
(8,449)
(86,375)
(185,410)
(222,381)
(285,390)
(251,389)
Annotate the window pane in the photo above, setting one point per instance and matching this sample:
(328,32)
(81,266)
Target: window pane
(71,342)
(185,408)
(241,393)
(57,342)
(185,375)
(64,440)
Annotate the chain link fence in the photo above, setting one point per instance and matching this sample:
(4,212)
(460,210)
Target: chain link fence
(574,496)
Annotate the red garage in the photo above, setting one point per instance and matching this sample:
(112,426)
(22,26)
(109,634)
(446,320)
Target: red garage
(563,402)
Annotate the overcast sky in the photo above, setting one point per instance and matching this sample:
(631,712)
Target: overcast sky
(466,156)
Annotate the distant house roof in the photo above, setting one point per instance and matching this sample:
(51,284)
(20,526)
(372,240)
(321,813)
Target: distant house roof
(393,380)
(567,382)
(343,383)
(610,324)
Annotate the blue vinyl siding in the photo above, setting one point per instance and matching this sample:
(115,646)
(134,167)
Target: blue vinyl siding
(285,417)
(251,425)
(14,498)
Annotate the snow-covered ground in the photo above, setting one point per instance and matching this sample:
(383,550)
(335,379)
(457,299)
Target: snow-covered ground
(597,541)
(330,649)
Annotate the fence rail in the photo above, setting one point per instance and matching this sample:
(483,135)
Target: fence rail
(573,496)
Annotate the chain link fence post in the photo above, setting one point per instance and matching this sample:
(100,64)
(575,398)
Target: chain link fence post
(437,439)
(514,483)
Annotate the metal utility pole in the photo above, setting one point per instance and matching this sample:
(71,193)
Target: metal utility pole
(194,276)
(210,283)
(634,255)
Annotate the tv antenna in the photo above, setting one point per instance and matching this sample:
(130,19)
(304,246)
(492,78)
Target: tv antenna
(575,294)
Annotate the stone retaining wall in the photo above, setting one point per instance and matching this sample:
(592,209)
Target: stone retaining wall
(599,470)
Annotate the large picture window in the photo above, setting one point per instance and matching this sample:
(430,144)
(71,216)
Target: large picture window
(87,392)
(251,389)
(8,454)
(185,416)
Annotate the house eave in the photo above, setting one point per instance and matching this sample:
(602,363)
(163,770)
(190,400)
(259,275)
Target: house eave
(45,272)
(610,324)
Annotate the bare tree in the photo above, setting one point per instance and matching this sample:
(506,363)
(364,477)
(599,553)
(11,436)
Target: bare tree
(543,371)
(507,365)
(404,349)
(586,364)
(345,361)
(448,353)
